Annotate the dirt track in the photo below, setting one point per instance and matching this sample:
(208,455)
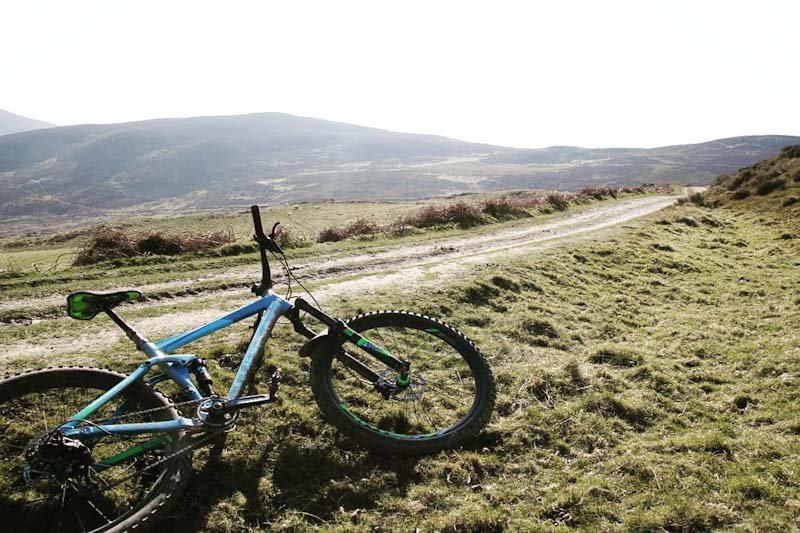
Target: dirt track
(402,265)
(481,248)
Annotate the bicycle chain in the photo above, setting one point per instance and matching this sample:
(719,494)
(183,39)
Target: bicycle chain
(169,457)
(166,458)
(154,409)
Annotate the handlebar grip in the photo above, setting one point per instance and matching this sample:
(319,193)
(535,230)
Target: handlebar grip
(257,220)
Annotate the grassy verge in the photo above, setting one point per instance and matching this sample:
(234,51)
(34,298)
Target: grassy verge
(497,208)
(647,381)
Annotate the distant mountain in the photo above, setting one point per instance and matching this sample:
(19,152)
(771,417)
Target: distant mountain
(210,162)
(11,123)
(567,167)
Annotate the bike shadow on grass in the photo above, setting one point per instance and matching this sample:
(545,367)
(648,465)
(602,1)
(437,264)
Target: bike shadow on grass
(313,478)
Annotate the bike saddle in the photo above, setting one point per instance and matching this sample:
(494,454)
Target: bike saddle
(86,305)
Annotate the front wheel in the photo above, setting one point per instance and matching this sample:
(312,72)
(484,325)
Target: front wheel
(448,399)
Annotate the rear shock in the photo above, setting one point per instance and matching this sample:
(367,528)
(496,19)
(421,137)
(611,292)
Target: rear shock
(203,377)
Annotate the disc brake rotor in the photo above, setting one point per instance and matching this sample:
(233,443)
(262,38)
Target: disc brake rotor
(413,392)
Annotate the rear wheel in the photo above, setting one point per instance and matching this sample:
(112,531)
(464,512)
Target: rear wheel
(448,399)
(52,483)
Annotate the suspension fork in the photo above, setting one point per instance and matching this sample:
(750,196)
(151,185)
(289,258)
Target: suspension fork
(339,329)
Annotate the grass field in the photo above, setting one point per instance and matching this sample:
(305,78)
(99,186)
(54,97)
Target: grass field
(647,380)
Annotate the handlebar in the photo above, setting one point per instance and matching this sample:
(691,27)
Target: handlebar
(257,220)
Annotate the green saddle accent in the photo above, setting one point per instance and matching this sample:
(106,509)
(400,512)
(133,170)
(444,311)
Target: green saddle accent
(86,305)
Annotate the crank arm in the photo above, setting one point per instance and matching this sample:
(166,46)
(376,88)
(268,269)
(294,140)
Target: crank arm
(245,401)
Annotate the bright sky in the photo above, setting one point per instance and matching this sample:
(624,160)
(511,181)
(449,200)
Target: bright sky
(525,73)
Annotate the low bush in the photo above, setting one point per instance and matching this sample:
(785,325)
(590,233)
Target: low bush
(599,193)
(361,226)
(790,201)
(460,213)
(558,202)
(791,152)
(332,234)
(697,199)
(286,239)
(770,185)
(107,244)
(465,215)
(741,194)
(501,208)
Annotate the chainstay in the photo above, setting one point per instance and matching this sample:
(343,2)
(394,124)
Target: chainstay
(167,458)
(186,449)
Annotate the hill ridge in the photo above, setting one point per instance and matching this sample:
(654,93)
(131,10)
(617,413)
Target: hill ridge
(11,123)
(210,162)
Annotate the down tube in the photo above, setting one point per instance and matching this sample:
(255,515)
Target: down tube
(256,349)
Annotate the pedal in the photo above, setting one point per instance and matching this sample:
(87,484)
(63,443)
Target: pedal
(274,383)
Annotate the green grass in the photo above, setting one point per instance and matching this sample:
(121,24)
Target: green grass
(647,380)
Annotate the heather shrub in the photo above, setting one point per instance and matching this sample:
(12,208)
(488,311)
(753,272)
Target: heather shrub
(107,244)
(791,152)
(286,239)
(557,201)
(790,201)
(360,226)
(464,214)
(332,234)
(770,185)
(500,208)
(460,213)
(741,194)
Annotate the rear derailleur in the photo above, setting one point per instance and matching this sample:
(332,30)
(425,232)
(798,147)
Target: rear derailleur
(57,455)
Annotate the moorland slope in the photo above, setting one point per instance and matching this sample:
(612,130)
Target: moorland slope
(216,162)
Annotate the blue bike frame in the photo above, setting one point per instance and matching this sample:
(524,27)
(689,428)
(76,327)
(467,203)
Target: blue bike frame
(177,368)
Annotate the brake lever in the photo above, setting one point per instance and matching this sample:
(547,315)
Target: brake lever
(274,241)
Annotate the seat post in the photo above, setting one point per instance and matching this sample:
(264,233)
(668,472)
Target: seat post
(131,333)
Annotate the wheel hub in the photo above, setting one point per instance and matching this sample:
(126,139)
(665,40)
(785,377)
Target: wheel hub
(412,392)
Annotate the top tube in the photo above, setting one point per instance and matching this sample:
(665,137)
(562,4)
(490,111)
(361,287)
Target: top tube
(170,344)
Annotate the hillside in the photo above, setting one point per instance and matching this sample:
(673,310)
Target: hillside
(212,162)
(206,161)
(770,185)
(11,123)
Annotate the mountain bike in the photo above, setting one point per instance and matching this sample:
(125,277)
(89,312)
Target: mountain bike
(85,449)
